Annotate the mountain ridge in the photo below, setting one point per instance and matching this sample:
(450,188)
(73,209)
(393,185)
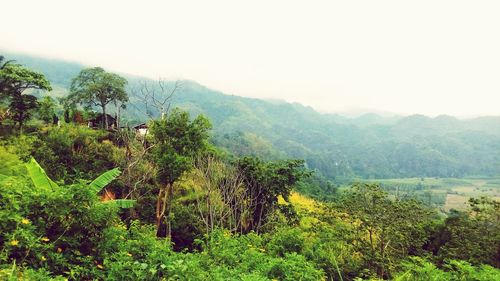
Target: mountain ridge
(340,147)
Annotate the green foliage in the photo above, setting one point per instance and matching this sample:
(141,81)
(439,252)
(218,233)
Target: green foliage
(248,254)
(10,163)
(265,182)
(96,87)
(22,107)
(39,177)
(43,182)
(287,241)
(106,178)
(64,231)
(240,144)
(385,234)
(46,110)
(13,273)
(139,256)
(340,148)
(236,219)
(473,236)
(178,140)
(318,187)
(15,79)
(53,229)
(417,268)
(121,203)
(73,152)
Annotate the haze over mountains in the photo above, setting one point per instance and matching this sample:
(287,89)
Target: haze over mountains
(340,147)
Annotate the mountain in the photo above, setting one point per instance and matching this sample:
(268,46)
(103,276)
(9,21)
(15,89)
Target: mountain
(340,147)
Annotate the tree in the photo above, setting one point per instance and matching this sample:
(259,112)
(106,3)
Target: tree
(42,182)
(155,96)
(177,140)
(387,230)
(3,62)
(222,202)
(14,80)
(472,236)
(3,82)
(22,107)
(96,87)
(265,181)
(47,109)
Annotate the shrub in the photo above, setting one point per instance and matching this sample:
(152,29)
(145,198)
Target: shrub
(55,229)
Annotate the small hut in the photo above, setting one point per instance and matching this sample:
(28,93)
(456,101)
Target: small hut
(99,121)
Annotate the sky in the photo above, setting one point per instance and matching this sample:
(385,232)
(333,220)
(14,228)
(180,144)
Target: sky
(408,57)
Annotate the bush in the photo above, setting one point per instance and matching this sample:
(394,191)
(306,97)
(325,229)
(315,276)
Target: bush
(57,230)
(287,241)
(417,268)
(74,152)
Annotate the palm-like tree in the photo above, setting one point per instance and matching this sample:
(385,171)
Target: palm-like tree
(4,63)
(43,182)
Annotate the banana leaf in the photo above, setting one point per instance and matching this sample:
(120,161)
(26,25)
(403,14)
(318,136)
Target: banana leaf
(101,181)
(121,203)
(38,176)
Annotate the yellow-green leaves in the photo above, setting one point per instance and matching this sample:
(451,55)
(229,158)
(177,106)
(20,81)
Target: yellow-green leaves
(38,176)
(106,178)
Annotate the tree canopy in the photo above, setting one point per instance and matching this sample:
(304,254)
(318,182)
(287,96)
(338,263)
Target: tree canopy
(85,210)
(14,80)
(96,87)
(177,140)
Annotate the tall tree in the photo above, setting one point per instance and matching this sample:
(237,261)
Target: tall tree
(472,235)
(96,87)
(14,80)
(382,226)
(177,140)
(156,96)
(265,182)
(22,107)
(47,109)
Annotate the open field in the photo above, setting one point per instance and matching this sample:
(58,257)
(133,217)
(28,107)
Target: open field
(444,193)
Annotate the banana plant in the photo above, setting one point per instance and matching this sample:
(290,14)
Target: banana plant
(42,181)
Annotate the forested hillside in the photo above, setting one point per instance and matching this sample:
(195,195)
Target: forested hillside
(83,197)
(369,146)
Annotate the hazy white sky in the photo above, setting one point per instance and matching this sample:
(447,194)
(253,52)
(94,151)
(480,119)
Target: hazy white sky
(431,57)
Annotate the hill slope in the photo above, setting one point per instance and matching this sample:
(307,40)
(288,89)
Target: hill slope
(368,146)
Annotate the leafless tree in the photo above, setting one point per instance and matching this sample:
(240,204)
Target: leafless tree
(224,201)
(156,96)
(138,171)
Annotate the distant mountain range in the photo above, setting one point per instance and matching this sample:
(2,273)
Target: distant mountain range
(340,147)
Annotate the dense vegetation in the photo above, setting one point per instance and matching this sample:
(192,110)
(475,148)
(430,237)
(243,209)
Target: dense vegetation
(111,203)
(369,146)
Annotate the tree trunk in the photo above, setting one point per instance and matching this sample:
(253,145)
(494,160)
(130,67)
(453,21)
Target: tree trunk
(163,208)
(21,118)
(118,119)
(159,203)
(104,116)
(381,270)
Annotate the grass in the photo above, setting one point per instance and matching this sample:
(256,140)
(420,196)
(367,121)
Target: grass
(444,193)
(457,202)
